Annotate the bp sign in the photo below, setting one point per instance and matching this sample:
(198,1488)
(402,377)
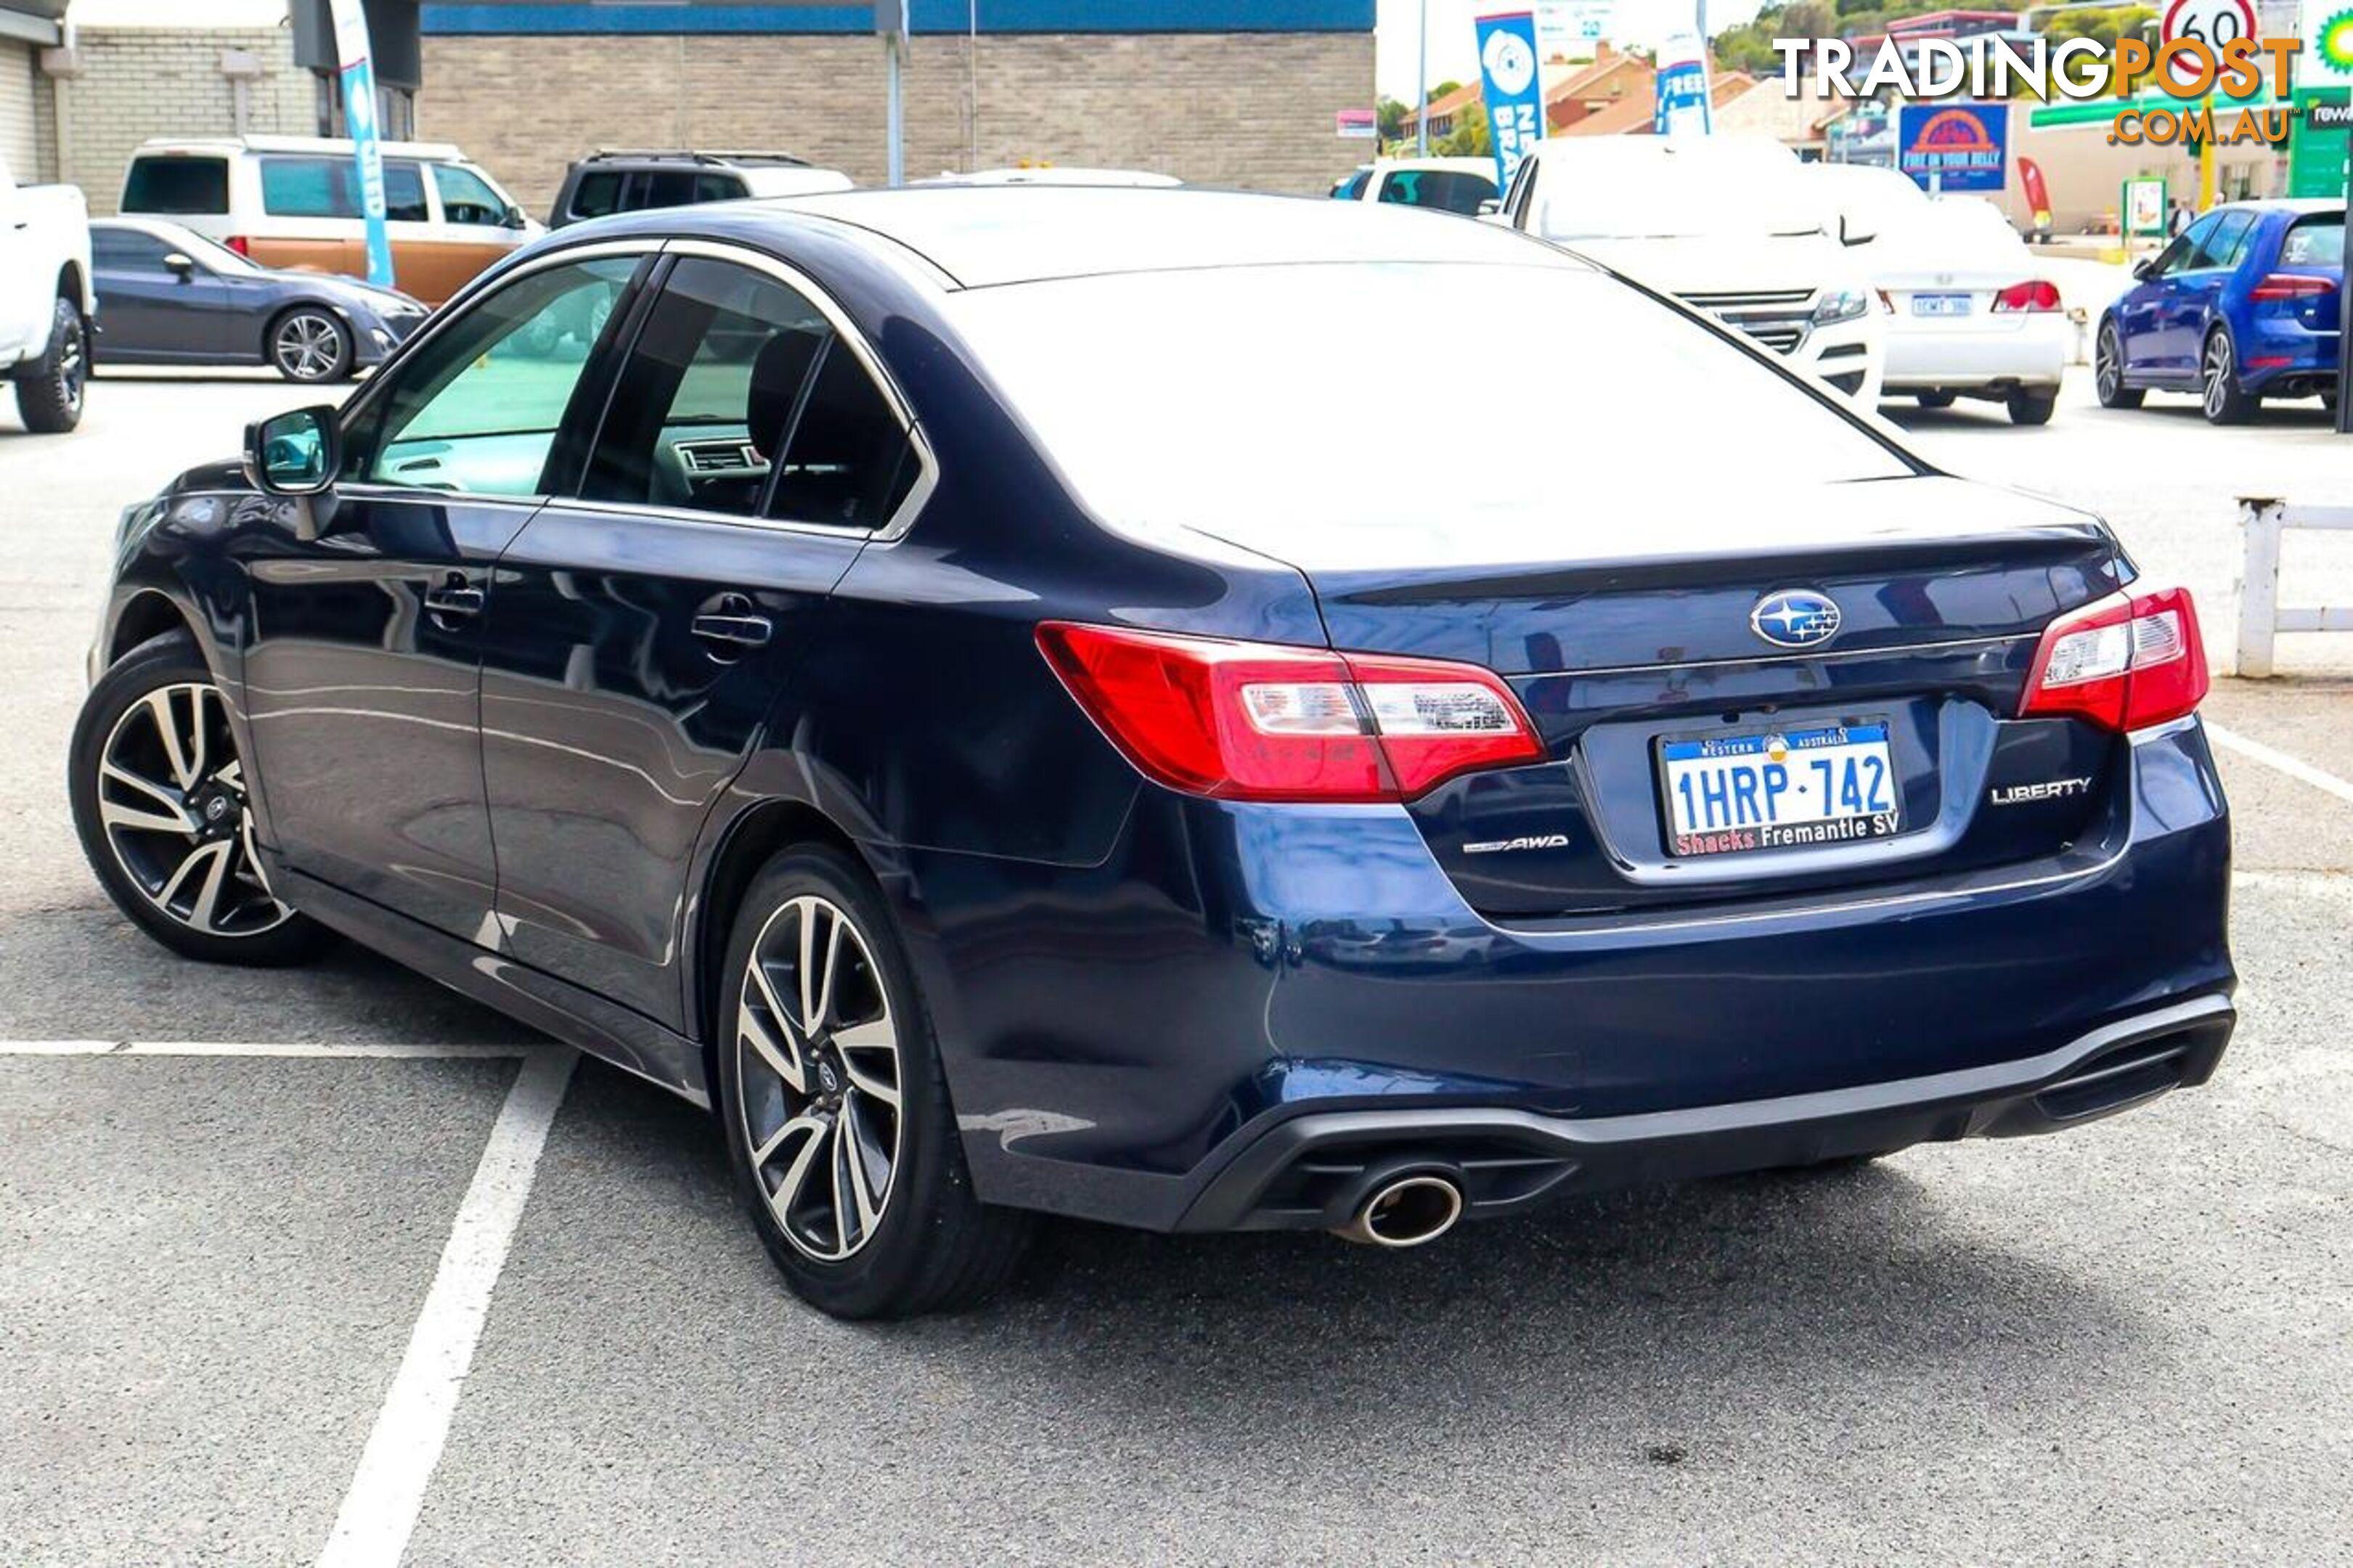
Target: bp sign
(1954,146)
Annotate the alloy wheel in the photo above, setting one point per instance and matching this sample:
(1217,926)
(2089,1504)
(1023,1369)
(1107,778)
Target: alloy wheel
(171,800)
(2108,366)
(2217,375)
(307,346)
(819,1075)
(73,365)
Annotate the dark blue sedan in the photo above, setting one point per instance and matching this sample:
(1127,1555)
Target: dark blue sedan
(966,684)
(166,295)
(2241,306)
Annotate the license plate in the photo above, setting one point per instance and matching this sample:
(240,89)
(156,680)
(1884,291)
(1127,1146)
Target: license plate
(1785,789)
(1940,304)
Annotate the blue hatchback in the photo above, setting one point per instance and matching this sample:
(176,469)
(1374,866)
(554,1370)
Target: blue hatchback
(963,684)
(2241,306)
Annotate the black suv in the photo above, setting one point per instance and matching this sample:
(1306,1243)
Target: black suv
(609,182)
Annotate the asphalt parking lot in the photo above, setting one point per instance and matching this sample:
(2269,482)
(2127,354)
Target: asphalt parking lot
(218,1245)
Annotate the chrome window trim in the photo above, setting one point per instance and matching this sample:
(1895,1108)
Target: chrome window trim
(375,489)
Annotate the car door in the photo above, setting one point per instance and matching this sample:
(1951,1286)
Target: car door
(642,631)
(363,663)
(2196,291)
(149,310)
(2139,312)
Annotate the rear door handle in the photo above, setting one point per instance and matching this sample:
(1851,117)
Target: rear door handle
(454,599)
(735,632)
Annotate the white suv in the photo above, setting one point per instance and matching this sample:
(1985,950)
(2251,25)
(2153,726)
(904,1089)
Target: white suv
(1724,223)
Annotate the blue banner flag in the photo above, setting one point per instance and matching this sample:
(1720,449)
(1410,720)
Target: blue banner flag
(1954,146)
(359,120)
(1513,91)
(1683,106)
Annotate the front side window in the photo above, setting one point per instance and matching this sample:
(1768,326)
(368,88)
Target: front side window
(2221,246)
(127,250)
(467,197)
(166,185)
(477,409)
(738,397)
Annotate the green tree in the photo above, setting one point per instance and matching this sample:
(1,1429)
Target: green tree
(1469,138)
(1388,117)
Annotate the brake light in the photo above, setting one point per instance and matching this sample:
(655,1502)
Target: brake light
(2034,295)
(1263,721)
(2290,286)
(2123,662)
(241,245)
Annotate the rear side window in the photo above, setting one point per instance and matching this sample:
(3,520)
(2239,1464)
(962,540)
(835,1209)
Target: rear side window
(717,187)
(847,462)
(330,187)
(2314,242)
(598,194)
(1444,189)
(190,186)
(665,188)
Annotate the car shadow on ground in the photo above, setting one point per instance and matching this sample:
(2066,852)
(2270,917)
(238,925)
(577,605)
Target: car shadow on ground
(1967,414)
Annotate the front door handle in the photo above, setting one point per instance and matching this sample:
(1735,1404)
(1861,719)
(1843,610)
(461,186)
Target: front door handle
(736,633)
(456,598)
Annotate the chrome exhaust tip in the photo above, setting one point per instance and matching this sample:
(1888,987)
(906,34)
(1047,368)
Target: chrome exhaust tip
(1406,1211)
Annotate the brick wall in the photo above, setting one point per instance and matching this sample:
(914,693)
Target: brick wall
(138,83)
(1249,109)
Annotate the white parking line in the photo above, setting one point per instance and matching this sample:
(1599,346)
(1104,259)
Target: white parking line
(387,1492)
(250,1048)
(2294,767)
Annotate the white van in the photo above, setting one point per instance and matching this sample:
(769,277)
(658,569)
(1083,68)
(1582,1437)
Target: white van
(293,201)
(1729,226)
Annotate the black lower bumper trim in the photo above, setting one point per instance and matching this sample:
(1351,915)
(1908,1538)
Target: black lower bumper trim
(1293,1176)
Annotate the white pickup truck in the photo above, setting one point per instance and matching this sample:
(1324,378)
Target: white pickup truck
(46,301)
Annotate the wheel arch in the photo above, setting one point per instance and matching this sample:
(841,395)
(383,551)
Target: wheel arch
(73,285)
(146,615)
(286,307)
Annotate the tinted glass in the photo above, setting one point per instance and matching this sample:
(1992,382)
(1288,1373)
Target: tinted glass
(2314,242)
(310,188)
(404,194)
(665,188)
(193,186)
(598,194)
(2220,247)
(1248,401)
(127,250)
(717,187)
(1351,189)
(478,408)
(848,462)
(1445,189)
(467,197)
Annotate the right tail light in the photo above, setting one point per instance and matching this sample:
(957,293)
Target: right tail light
(2124,662)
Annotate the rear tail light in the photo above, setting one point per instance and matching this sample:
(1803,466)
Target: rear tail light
(1262,721)
(2292,286)
(241,245)
(2035,295)
(2123,662)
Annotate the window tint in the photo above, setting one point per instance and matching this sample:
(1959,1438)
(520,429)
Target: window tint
(2314,242)
(127,250)
(665,188)
(597,195)
(195,186)
(2221,247)
(467,197)
(1351,189)
(477,409)
(2182,254)
(717,187)
(404,194)
(731,369)
(1444,189)
(330,187)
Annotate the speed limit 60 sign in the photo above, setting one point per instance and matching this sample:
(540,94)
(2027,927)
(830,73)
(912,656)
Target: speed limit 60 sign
(2212,23)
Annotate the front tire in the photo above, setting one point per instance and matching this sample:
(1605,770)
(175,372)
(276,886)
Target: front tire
(159,804)
(1932,399)
(2108,371)
(836,1110)
(310,344)
(2223,400)
(51,389)
(2032,407)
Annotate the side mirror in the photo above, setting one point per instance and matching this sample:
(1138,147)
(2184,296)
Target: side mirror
(2145,269)
(296,454)
(513,217)
(180,263)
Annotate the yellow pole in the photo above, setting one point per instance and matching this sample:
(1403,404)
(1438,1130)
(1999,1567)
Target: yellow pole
(2205,174)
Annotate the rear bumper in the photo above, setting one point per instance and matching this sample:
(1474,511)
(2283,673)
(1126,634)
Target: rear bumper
(2029,352)
(1121,1036)
(1314,1171)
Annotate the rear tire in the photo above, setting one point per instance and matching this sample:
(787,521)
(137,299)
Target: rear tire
(2108,371)
(309,344)
(159,798)
(2032,407)
(1933,399)
(835,1107)
(50,389)
(2221,399)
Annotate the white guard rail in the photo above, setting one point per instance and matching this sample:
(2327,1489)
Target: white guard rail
(2264,519)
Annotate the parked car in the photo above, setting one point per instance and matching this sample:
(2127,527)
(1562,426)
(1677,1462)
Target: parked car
(1730,228)
(1053,174)
(979,748)
(170,296)
(46,302)
(293,202)
(1972,317)
(1465,186)
(2243,305)
(610,182)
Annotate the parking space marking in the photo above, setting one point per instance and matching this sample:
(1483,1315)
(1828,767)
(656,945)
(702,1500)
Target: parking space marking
(2294,767)
(398,1052)
(387,1491)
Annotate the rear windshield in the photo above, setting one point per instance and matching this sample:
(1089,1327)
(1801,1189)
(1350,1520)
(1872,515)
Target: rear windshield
(1421,399)
(188,186)
(2314,242)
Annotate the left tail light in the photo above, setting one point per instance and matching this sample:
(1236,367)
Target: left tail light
(239,244)
(2293,286)
(2033,295)
(1265,722)
(2123,662)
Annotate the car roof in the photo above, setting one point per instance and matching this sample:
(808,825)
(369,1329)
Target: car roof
(1461,165)
(983,235)
(440,152)
(2303,206)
